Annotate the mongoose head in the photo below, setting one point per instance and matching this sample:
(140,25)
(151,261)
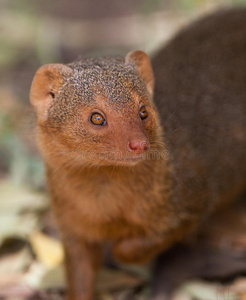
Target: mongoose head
(97,111)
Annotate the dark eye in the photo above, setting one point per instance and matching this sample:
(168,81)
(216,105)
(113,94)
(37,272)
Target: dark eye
(98,119)
(143,113)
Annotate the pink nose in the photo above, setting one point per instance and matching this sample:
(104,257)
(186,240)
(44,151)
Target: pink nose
(138,147)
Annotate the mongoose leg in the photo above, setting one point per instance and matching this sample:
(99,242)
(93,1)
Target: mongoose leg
(82,261)
(138,250)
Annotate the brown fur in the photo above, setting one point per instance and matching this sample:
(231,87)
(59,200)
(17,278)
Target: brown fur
(143,201)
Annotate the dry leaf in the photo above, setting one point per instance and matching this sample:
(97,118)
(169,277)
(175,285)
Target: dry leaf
(52,279)
(49,251)
(116,279)
(15,262)
(181,295)
(208,291)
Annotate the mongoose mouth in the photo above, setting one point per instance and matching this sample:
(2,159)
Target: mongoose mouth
(132,158)
(128,160)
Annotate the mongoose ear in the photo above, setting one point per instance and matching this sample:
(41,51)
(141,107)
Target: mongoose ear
(143,65)
(45,85)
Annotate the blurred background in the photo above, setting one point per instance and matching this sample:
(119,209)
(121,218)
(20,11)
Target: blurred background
(33,33)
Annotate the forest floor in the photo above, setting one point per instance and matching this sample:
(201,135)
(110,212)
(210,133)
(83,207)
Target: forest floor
(31,254)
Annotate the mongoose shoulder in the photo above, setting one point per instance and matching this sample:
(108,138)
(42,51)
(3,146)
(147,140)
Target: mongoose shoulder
(140,166)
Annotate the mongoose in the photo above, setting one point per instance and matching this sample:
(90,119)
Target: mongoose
(138,166)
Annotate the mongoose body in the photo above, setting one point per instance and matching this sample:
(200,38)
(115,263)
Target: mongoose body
(141,167)
(201,100)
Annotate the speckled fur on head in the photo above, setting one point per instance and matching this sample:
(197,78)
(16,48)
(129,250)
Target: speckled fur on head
(109,77)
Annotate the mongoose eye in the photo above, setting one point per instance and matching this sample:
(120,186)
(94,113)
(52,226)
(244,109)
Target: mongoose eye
(97,119)
(143,112)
